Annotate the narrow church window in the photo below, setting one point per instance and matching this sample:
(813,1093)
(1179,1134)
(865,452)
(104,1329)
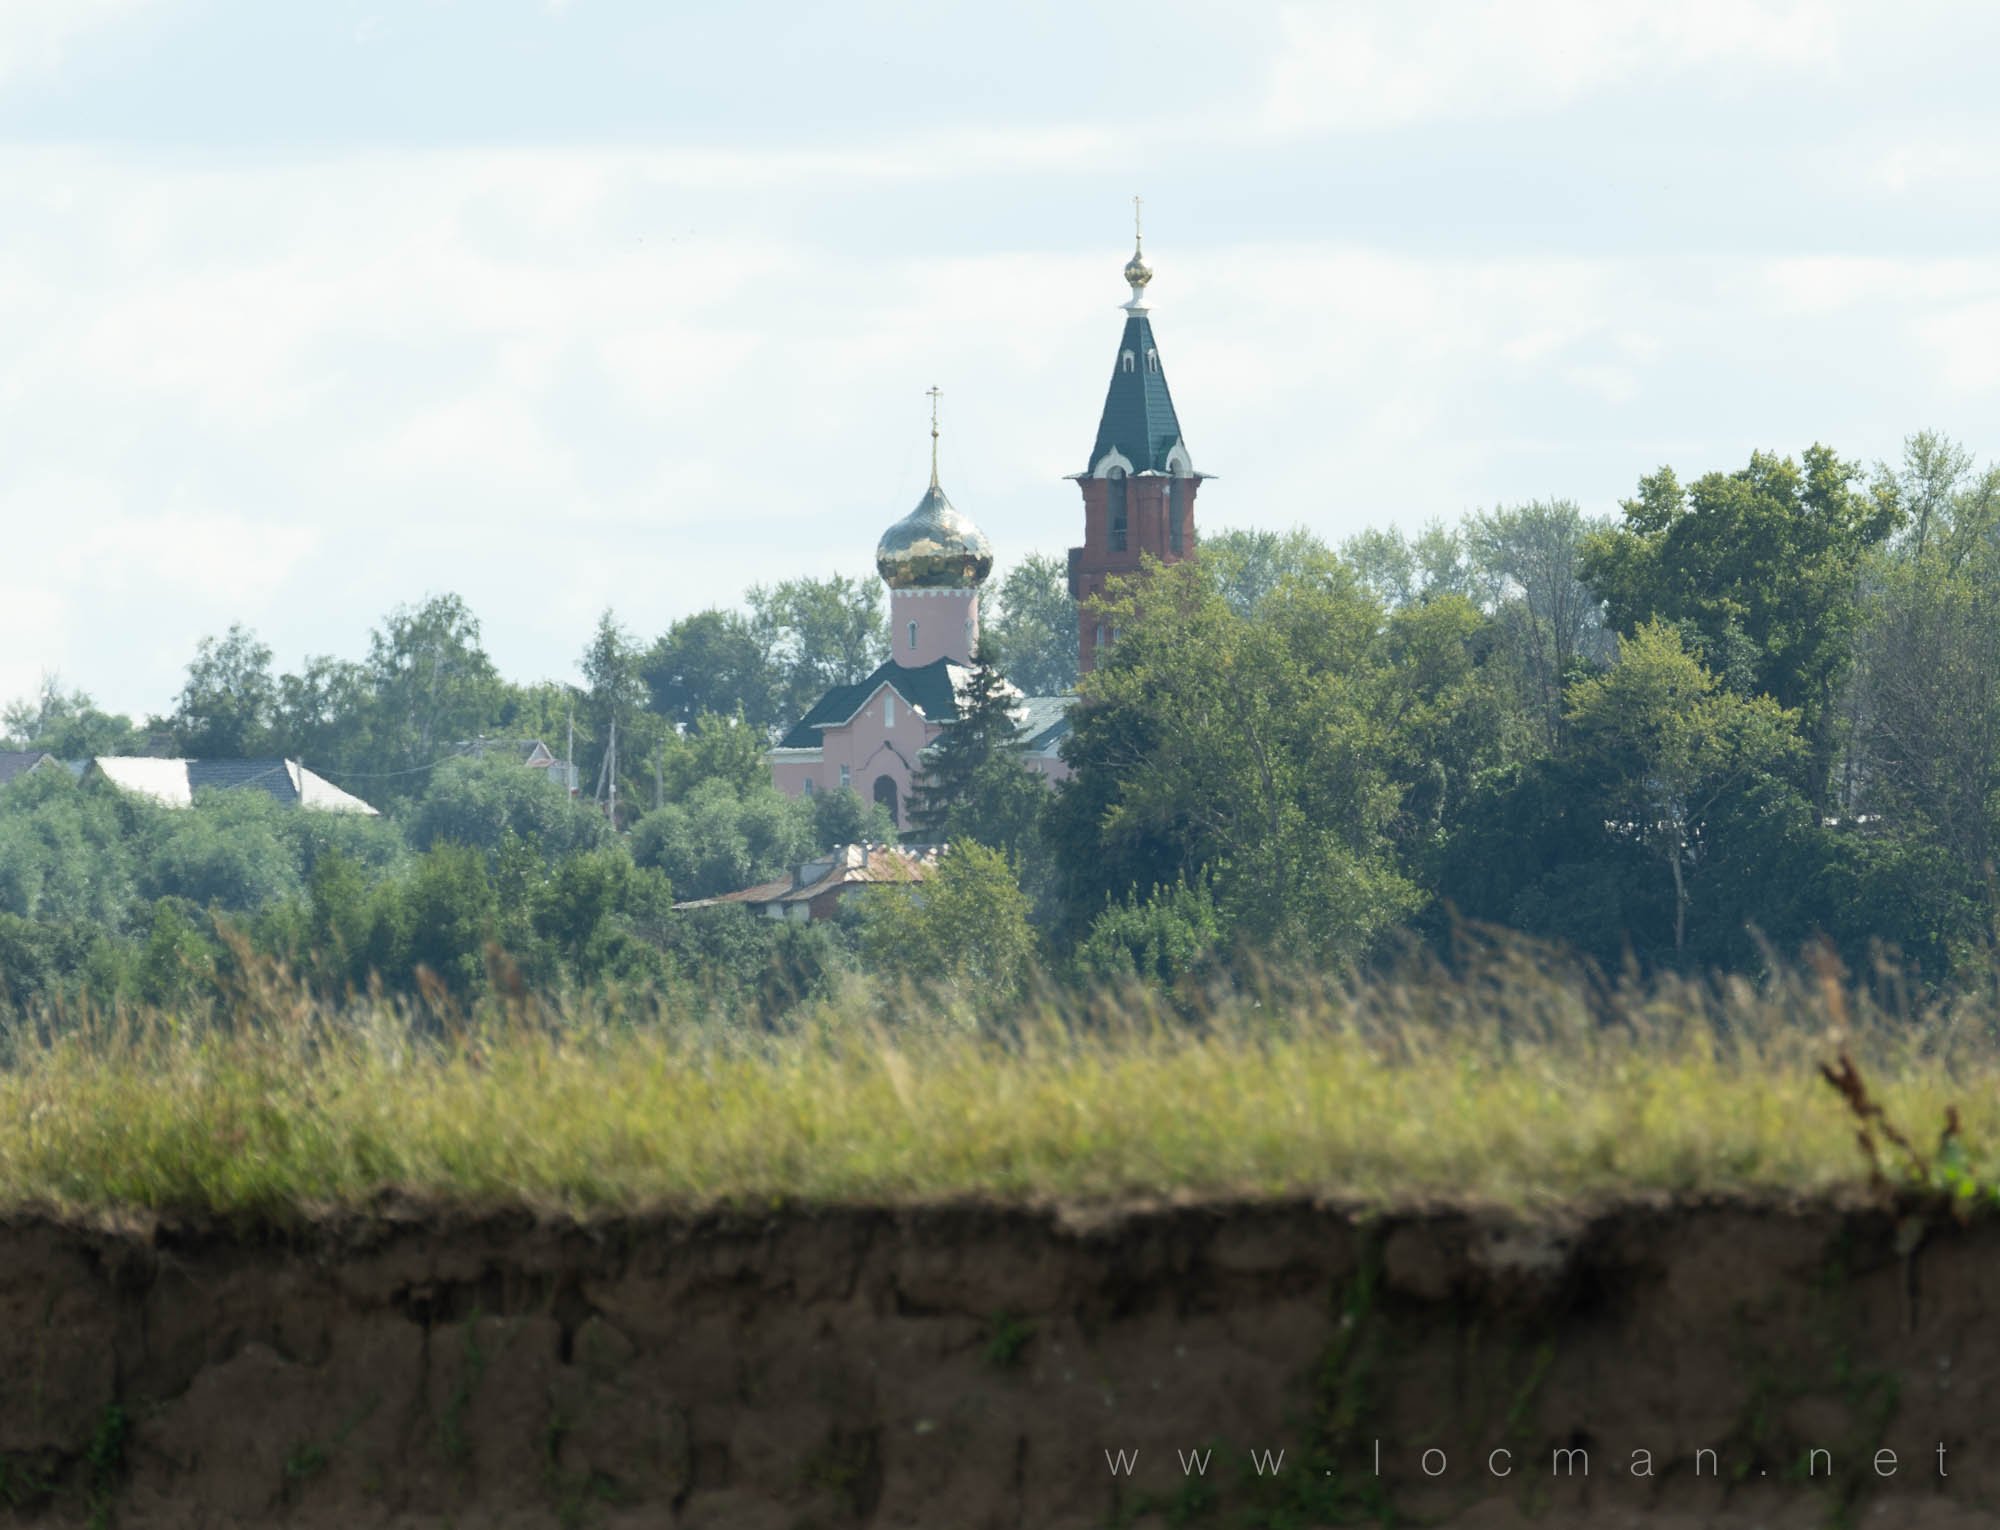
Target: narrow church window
(888,711)
(1152,361)
(1125,361)
(1098,644)
(1116,498)
(913,634)
(845,778)
(809,786)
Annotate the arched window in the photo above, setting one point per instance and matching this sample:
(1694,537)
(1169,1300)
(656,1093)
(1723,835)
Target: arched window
(1125,362)
(1152,361)
(1176,513)
(1100,636)
(1116,500)
(885,793)
(913,634)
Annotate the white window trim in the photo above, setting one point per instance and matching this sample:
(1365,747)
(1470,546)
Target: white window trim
(889,711)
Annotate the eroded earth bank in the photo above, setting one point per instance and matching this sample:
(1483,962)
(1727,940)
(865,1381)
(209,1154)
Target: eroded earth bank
(985,1366)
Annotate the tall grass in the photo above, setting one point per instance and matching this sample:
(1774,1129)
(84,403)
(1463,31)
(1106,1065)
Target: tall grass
(1506,1079)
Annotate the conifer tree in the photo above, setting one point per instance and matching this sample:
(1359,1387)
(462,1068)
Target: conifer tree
(985,729)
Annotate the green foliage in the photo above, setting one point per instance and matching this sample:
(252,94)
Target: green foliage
(1248,748)
(1763,564)
(226,708)
(845,817)
(477,802)
(1034,626)
(985,728)
(711,662)
(818,633)
(966,922)
(1171,933)
(717,841)
(68,726)
(1007,1336)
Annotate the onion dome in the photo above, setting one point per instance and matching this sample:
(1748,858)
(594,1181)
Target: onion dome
(1137,272)
(935,546)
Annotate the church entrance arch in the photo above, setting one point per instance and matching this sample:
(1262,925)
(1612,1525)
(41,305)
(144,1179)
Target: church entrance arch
(885,793)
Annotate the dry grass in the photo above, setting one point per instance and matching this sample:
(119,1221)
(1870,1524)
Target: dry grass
(1510,1084)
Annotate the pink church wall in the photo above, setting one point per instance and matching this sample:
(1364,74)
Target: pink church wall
(868,749)
(947,625)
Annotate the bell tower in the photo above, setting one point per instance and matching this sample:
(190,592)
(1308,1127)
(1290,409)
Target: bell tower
(1139,490)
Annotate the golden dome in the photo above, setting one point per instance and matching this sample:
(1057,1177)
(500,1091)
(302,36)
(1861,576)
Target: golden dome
(934,547)
(1137,272)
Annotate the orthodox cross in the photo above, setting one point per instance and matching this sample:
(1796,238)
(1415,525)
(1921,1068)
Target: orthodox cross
(934,392)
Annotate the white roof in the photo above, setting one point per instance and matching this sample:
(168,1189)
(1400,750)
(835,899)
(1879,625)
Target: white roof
(162,780)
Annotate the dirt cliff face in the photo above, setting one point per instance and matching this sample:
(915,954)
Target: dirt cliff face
(986,1366)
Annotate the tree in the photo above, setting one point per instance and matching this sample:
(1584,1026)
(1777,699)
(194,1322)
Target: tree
(716,840)
(432,686)
(1402,571)
(984,728)
(712,661)
(1925,705)
(819,633)
(1247,565)
(478,802)
(226,708)
(1763,566)
(1034,626)
(68,726)
(1529,555)
(1665,745)
(617,695)
(1245,747)
(966,923)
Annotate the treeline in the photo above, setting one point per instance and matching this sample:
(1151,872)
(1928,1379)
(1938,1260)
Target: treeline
(1756,711)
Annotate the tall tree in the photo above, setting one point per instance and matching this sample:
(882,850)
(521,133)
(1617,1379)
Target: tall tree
(228,703)
(433,685)
(616,694)
(1248,747)
(1529,556)
(1763,564)
(1034,626)
(712,661)
(1665,745)
(68,725)
(985,728)
(1246,565)
(820,633)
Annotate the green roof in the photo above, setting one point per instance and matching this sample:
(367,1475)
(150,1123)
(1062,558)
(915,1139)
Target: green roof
(1138,410)
(928,688)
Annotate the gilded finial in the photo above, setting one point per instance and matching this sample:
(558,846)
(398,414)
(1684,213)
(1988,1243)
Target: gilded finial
(1137,272)
(934,391)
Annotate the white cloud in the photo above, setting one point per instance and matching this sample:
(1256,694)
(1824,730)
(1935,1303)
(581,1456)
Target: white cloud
(1388,63)
(36,35)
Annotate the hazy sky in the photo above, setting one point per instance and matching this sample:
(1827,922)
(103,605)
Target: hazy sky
(310,310)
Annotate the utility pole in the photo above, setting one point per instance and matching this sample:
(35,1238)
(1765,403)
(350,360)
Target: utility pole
(613,759)
(569,748)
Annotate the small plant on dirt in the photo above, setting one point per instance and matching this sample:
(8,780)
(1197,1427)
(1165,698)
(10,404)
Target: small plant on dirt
(1007,1336)
(304,1463)
(22,1486)
(1948,1173)
(451,1423)
(104,1462)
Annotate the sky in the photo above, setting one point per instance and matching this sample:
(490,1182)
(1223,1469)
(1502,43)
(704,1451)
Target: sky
(309,312)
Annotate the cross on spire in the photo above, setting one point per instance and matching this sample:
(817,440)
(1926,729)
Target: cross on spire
(934,391)
(1138,233)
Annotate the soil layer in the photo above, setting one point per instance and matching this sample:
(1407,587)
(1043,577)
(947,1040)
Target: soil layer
(992,1366)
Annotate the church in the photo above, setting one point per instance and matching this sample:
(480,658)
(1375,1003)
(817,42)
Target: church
(1138,498)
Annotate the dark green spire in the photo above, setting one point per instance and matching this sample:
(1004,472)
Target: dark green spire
(1138,420)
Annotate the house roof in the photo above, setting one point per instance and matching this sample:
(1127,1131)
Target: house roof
(531,751)
(1138,420)
(842,867)
(1044,720)
(18,762)
(931,688)
(174,782)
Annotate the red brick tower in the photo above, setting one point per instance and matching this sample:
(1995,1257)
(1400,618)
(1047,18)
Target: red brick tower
(1139,491)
